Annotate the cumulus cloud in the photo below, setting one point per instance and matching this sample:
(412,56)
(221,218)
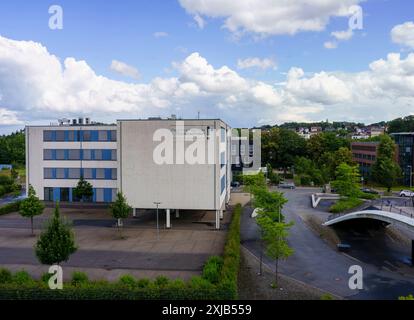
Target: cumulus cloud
(343,35)
(270,17)
(36,84)
(330,45)
(403,34)
(200,21)
(124,69)
(255,62)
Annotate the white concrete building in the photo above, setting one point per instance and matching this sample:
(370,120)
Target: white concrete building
(122,157)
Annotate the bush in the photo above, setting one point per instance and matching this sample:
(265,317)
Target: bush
(22,278)
(5,180)
(5,276)
(368,196)
(305,180)
(409,297)
(143,283)
(161,281)
(212,268)
(200,283)
(128,281)
(9,208)
(45,277)
(177,284)
(79,278)
(345,204)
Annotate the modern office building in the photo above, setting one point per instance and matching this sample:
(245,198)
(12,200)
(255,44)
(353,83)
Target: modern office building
(177,164)
(365,154)
(405,143)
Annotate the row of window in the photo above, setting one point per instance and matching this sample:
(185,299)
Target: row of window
(76,173)
(78,154)
(364,156)
(79,135)
(66,195)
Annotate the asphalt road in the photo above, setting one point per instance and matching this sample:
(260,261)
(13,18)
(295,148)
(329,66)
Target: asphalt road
(316,263)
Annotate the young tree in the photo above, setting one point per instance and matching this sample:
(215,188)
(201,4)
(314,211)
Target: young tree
(253,182)
(31,206)
(274,236)
(347,181)
(120,210)
(385,170)
(83,190)
(57,242)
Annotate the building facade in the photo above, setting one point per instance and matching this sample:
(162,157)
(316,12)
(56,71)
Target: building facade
(405,143)
(123,157)
(365,154)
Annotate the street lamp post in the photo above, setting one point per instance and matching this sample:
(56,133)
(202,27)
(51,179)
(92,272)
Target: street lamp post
(158,225)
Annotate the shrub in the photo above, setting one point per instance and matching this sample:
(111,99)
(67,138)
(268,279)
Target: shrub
(11,207)
(177,284)
(409,297)
(200,283)
(127,280)
(161,281)
(345,204)
(143,283)
(212,268)
(368,196)
(5,276)
(79,278)
(22,278)
(305,180)
(45,277)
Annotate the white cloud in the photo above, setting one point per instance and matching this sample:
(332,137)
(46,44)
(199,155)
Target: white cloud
(35,84)
(403,34)
(343,35)
(330,45)
(124,69)
(160,34)
(255,62)
(271,17)
(200,21)
(8,118)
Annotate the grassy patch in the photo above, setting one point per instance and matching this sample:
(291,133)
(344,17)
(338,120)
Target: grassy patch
(345,204)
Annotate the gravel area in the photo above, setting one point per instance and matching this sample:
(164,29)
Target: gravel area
(254,287)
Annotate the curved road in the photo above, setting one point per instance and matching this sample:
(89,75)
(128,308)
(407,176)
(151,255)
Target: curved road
(316,263)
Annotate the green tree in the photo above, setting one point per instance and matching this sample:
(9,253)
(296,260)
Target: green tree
(275,235)
(253,181)
(385,170)
(83,190)
(31,206)
(57,242)
(120,210)
(347,181)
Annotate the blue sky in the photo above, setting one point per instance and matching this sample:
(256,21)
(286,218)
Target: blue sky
(99,32)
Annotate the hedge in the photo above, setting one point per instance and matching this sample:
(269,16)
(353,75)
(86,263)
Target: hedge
(11,207)
(218,281)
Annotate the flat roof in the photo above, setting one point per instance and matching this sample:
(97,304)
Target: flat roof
(178,119)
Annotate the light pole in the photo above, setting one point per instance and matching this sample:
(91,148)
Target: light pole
(158,225)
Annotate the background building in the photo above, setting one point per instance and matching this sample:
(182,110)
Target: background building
(365,154)
(405,143)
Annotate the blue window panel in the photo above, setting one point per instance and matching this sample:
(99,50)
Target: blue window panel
(56,194)
(54,173)
(53,135)
(66,151)
(66,136)
(108,135)
(81,154)
(94,135)
(94,195)
(54,154)
(92,154)
(107,155)
(108,174)
(107,195)
(94,173)
(80,135)
(66,173)
(70,194)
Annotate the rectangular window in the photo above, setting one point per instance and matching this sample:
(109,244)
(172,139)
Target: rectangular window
(47,135)
(60,154)
(60,173)
(223,134)
(47,173)
(73,173)
(114,192)
(113,174)
(88,173)
(100,173)
(60,135)
(86,135)
(113,155)
(113,135)
(99,194)
(103,135)
(48,194)
(47,154)
(223,183)
(73,154)
(98,154)
(73,135)
(87,154)
(64,194)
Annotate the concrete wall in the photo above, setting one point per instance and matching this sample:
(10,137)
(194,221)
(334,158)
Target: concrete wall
(176,186)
